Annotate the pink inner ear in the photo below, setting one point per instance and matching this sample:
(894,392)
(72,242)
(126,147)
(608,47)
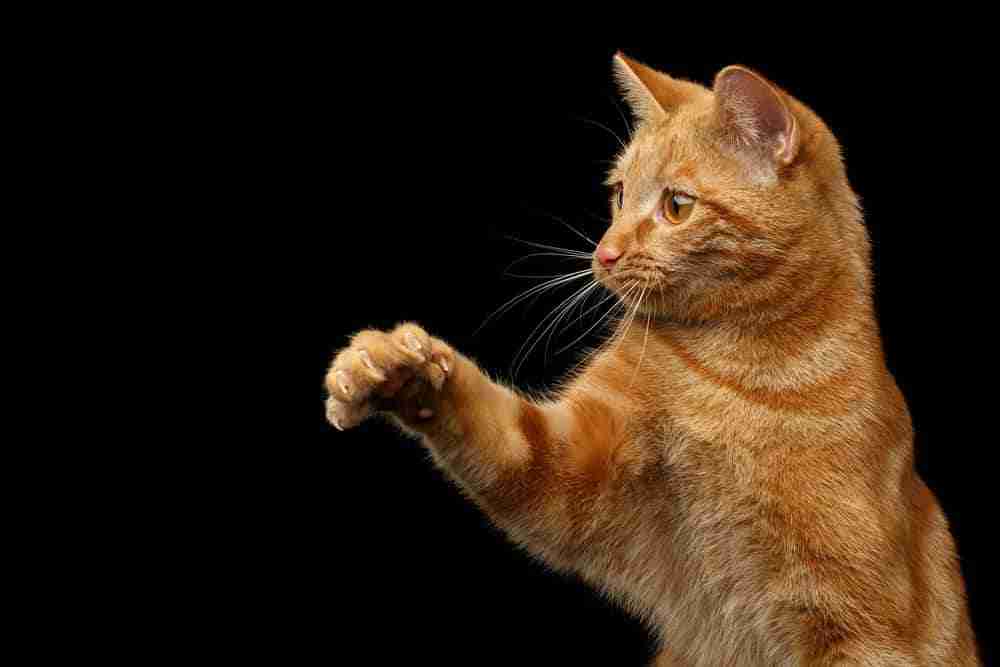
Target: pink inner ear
(754,109)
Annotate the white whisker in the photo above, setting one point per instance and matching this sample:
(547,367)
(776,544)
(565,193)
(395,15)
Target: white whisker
(642,354)
(603,318)
(560,255)
(574,230)
(628,126)
(543,246)
(606,129)
(551,319)
(631,317)
(537,289)
(568,311)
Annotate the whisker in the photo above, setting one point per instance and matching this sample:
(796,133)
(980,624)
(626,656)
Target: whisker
(605,128)
(541,254)
(537,289)
(568,311)
(550,319)
(597,305)
(599,218)
(562,221)
(574,230)
(631,317)
(628,126)
(531,275)
(567,251)
(620,304)
(601,319)
(642,354)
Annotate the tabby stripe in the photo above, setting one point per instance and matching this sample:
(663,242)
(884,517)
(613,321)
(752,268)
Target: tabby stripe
(830,397)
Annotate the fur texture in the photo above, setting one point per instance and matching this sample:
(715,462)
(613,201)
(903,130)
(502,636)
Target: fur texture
(737,468)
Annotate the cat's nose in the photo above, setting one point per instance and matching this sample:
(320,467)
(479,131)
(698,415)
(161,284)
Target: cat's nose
(607,255)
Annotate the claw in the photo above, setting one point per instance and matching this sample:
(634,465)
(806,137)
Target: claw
(413,343)
(332,416)
(414,347)
(344,385)
(444,366)
(367,361)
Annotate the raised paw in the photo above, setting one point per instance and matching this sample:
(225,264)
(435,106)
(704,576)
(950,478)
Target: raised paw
(370,373)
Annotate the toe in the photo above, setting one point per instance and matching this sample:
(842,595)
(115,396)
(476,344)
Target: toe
(341,385)
(367,366)
(413,340)
(344,415)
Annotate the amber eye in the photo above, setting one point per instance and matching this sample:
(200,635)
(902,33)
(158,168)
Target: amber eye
(619,193)
(677,206)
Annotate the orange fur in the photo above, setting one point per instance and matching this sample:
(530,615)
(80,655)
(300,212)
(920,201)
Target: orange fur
(737,468)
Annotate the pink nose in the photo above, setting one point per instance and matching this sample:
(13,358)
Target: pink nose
(607,255)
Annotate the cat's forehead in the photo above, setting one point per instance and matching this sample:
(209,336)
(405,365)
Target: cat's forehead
(676,151)
(652,149)
(646,147)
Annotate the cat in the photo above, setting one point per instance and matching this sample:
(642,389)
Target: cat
(737,468)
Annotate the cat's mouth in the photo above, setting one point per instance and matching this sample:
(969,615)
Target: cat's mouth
(633,284)
(637,278)
(627,276)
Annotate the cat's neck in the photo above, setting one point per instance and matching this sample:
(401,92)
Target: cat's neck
(826,328)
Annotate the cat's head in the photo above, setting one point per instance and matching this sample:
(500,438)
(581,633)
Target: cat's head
(726,198)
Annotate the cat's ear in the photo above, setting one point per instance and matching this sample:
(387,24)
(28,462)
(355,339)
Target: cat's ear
(648,92)
(755,116)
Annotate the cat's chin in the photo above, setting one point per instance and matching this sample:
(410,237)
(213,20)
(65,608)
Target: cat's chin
(655,300)
(621,281)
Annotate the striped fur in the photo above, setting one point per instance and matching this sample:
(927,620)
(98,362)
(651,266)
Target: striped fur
(736,468)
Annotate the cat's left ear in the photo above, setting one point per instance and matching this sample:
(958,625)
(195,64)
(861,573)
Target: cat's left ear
(755,115)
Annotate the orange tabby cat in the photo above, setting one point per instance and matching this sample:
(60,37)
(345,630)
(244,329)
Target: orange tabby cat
(738,468)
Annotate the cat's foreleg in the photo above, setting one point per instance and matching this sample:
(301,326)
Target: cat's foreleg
(532,466)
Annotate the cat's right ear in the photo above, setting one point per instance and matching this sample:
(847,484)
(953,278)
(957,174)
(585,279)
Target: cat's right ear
(650,94)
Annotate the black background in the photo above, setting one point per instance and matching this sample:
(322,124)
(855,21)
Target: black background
(382,184)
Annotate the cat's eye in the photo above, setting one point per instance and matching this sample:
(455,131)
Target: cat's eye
(677,206)
(619,194)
